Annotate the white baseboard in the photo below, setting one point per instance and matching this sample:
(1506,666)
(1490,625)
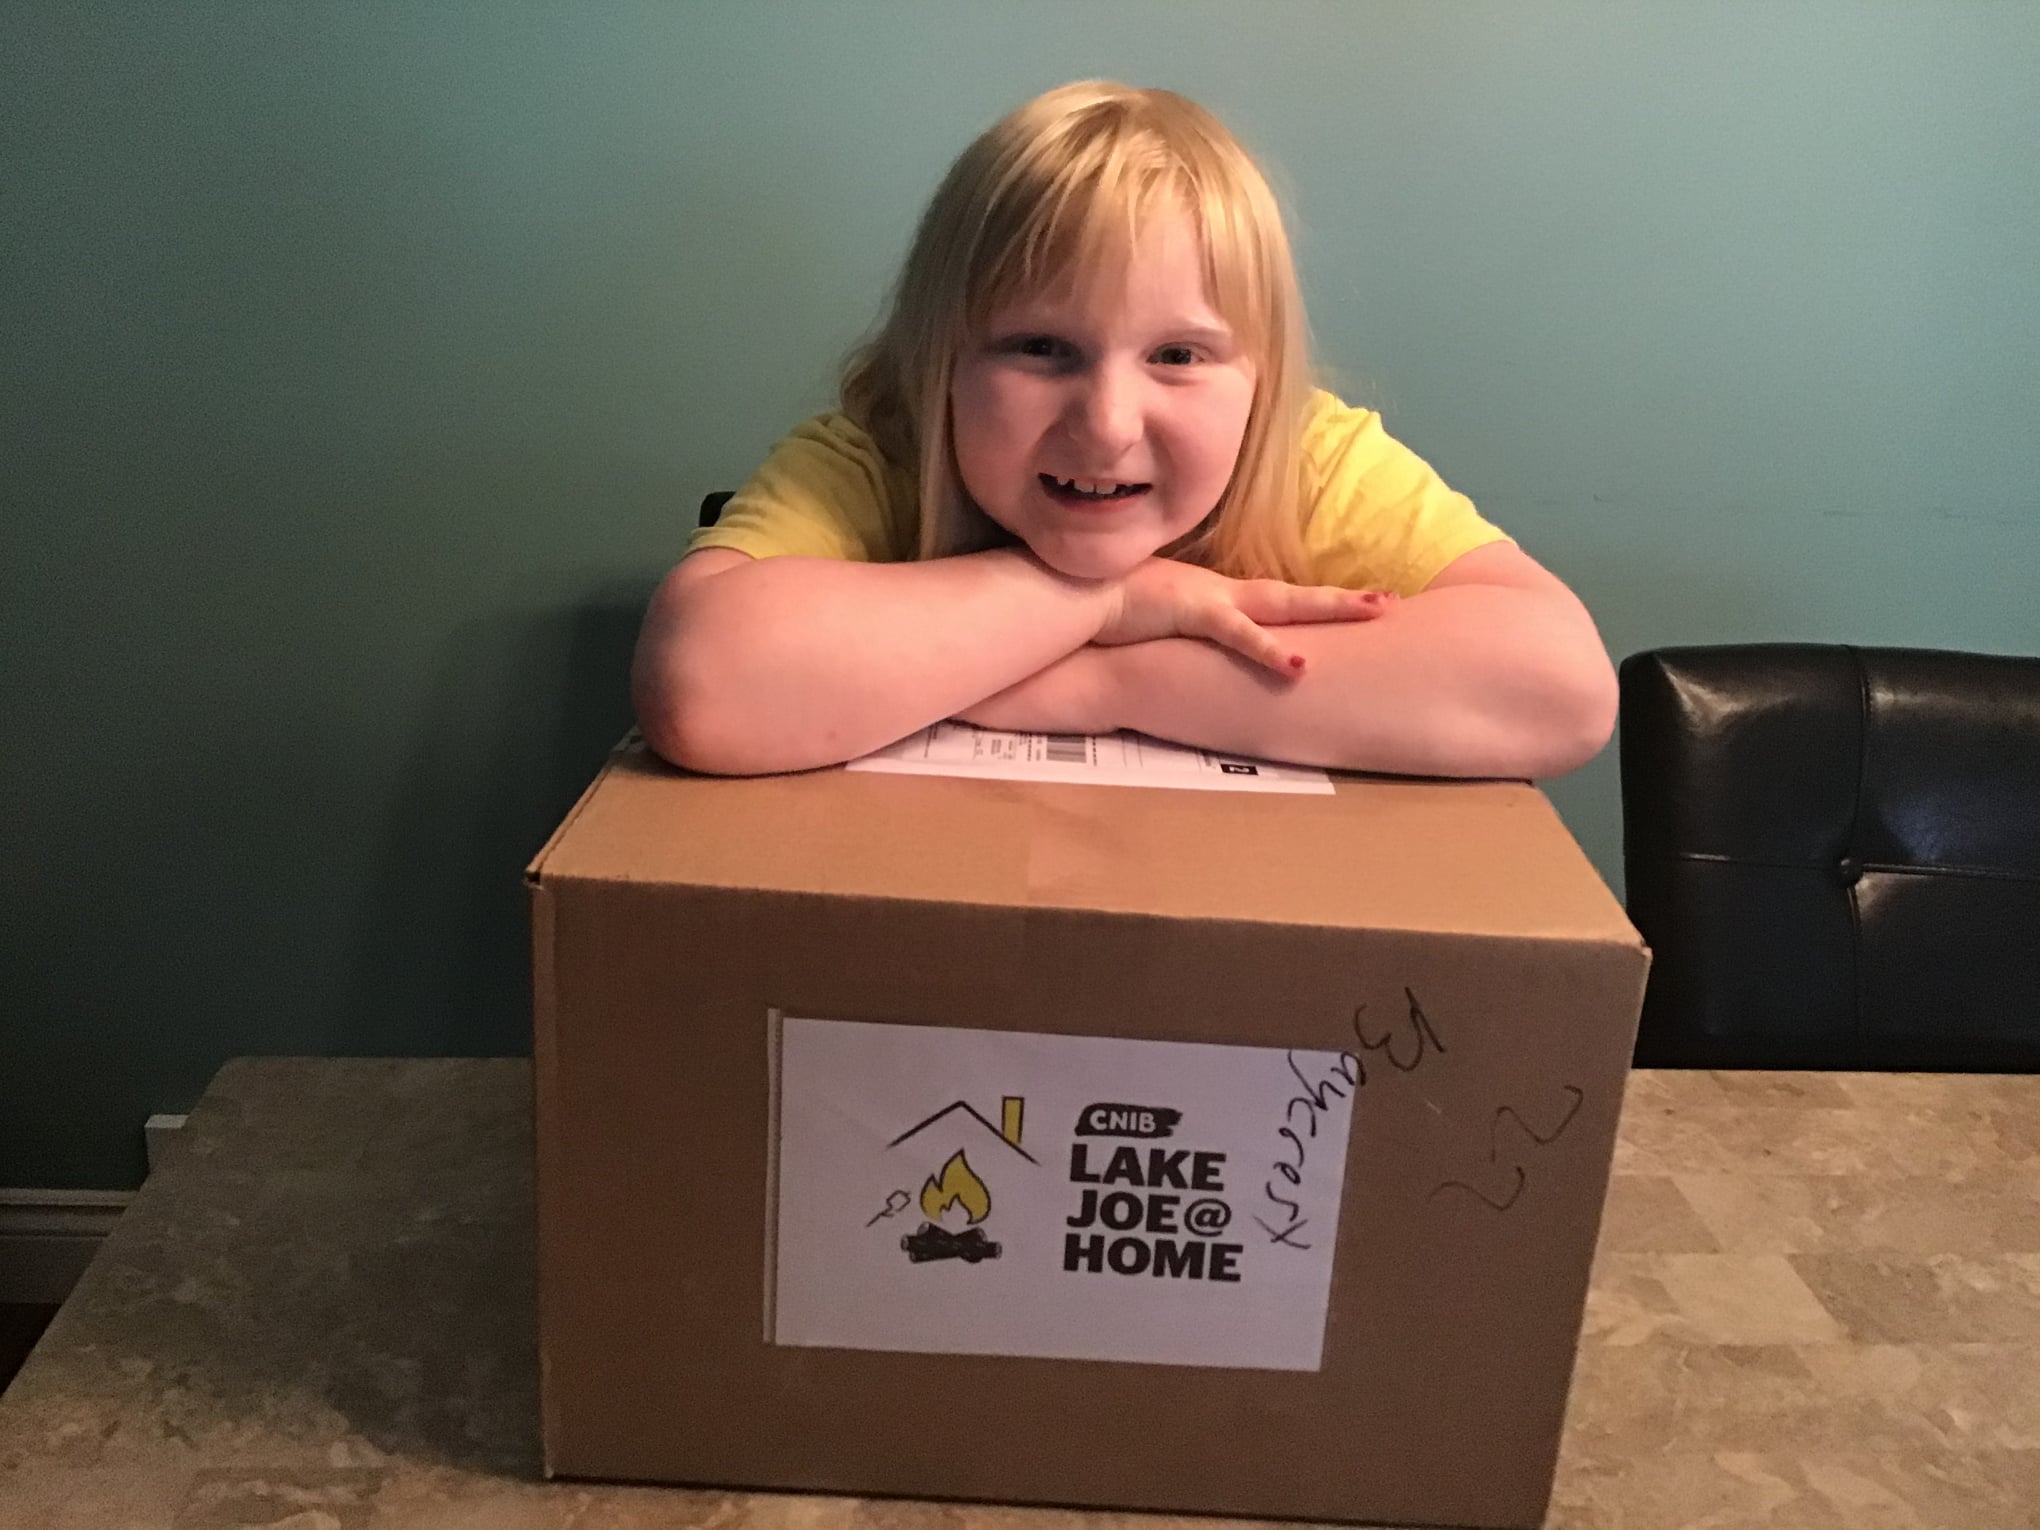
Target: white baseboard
(47,1237)
(159,1135)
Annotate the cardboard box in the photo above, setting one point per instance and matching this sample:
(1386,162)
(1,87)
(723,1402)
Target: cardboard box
(840,1076)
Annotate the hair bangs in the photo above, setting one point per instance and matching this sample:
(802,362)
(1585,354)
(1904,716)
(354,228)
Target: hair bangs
(1066,221)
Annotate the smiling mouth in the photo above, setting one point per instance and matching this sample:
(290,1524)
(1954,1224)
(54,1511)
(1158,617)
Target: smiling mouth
(1074,491)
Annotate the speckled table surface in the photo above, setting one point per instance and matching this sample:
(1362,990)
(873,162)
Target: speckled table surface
(1816,1302)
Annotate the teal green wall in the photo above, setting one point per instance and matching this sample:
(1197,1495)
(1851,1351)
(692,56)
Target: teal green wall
(362,364)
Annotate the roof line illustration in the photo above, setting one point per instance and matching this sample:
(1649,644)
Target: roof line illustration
(965,1106)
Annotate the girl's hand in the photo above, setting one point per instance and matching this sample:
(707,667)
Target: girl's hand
(1163,598)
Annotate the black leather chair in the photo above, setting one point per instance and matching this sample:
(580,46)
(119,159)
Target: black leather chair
(1834,854)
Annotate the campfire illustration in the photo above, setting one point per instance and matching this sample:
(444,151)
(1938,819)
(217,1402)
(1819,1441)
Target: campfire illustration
(955,1200)
(958,1189)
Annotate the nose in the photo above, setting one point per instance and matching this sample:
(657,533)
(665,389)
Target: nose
(1105,411)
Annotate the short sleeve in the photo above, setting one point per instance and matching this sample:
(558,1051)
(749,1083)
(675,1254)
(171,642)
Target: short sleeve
(1377,516)
(825,491)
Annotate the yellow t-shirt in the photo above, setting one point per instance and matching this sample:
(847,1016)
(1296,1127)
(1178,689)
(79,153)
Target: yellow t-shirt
(1375,516)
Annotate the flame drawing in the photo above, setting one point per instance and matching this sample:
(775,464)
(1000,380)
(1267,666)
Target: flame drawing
(957,1186)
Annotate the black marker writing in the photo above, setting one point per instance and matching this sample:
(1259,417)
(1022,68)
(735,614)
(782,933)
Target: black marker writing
(1420,1027)
(1538,1139)
(1285,1235)
(1314,1100)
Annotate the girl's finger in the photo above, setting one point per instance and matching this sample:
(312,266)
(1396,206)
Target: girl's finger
(1343,606)
(1286,604)
(1232,628)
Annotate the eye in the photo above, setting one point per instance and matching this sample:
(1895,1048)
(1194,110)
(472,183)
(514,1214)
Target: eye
(1176,356)
(1041,347)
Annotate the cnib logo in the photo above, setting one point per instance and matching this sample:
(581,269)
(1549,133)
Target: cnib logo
(1112,1120)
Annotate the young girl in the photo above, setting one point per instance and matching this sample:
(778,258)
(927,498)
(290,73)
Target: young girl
(1080,481)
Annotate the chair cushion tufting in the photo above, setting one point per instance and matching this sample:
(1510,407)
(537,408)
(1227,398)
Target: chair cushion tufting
(1834,853)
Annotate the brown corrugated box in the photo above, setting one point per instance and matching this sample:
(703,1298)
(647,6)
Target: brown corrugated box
(1449,937)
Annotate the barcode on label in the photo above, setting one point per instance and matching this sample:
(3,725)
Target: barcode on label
(1069,749)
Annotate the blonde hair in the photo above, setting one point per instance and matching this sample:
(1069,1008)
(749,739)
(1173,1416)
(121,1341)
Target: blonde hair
(1057,187)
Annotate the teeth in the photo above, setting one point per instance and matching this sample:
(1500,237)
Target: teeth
(1098,487)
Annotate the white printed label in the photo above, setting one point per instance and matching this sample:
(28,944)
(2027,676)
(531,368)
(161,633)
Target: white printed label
(956,1191)
(1086,759)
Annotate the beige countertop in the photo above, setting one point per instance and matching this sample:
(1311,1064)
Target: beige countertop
(1816,1303)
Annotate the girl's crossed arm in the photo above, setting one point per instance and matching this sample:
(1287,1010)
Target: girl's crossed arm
(1495,669)
(787,663)
(746,666)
